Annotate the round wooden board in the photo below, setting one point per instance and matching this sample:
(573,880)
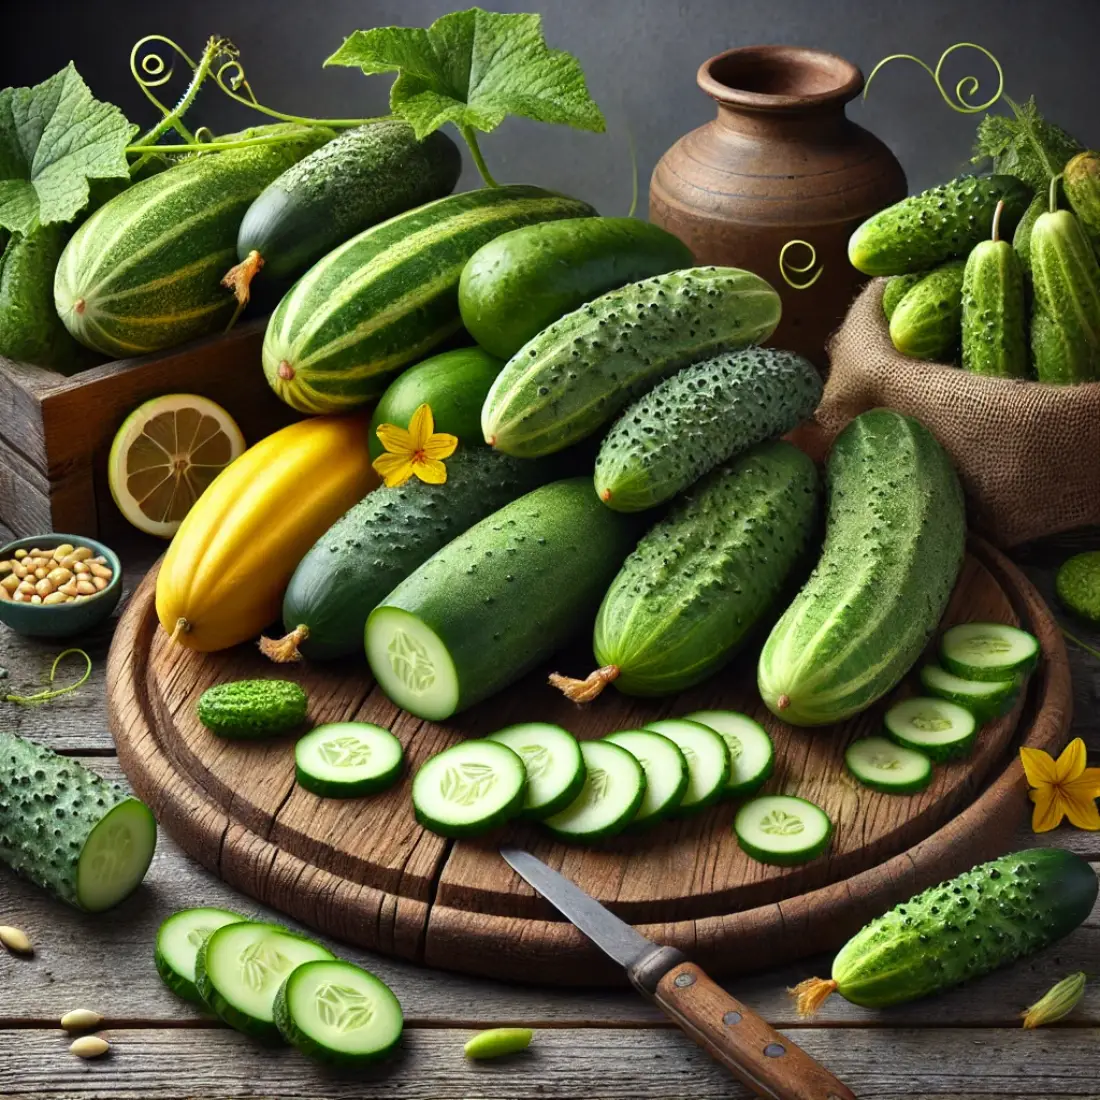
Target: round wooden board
(364,871)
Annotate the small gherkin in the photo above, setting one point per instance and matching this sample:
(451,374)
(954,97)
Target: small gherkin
(896,288)
(1078,584)
(927,322)
(252,708)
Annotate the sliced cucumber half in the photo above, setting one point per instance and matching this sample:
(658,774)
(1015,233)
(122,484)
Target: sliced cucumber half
(666,771)
(338,1013)
(115,856)
(988,651)
(782,829)
(708,760)
(752,754)
(411,663)
(178,941)
(936,727)
(614,787)
(553,762)
(884,766)
(985,699)
(348,759)
(469,788)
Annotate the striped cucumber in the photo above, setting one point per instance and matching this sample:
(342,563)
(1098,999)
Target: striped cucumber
(927,322)
(1081,181)
(894,542)
(580,371)
(388,296)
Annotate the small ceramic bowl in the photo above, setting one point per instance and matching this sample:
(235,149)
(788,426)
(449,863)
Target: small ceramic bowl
(65,619)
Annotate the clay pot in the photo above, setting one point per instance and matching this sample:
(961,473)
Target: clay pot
(782,161)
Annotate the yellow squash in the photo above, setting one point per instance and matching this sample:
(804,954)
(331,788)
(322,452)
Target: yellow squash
(223,578)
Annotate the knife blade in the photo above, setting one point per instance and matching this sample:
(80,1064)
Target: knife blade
(746,1044)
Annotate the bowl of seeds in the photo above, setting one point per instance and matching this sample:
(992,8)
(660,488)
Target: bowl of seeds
(55,586)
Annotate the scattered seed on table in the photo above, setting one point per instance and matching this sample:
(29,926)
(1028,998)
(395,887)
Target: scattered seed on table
(16,940)
(89,1046)
(81,1019)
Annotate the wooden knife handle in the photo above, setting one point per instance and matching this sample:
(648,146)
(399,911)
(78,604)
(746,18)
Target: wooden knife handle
(746,1044)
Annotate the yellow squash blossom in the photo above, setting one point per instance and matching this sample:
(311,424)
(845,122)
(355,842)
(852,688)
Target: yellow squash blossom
(419,451)
(1062,788)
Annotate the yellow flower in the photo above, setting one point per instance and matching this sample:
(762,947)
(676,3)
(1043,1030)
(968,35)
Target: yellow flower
(419,451)
(1062,787)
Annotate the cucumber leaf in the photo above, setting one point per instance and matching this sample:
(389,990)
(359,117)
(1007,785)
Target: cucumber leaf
(1025,146)
(54,138)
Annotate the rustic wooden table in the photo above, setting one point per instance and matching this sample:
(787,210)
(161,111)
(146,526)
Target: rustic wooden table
(591,1044)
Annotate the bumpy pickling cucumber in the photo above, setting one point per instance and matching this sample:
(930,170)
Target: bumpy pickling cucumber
(927,322)
(896,288)
(1078,584)
(1081,181)
(1021,238)
(252,708)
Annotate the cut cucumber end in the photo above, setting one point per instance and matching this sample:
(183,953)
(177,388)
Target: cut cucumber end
(613,790)
(882,765)
(115,856)
(940,729)
(988,651)
(178,941)
(707,756)
(554,764)
(348,759)
(782,830)
(752,754)
(411,664)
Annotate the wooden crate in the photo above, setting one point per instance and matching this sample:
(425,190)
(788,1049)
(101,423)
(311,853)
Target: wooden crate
(56,431)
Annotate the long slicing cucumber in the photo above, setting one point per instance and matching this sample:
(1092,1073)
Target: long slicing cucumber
(665,767)
(613,790)
(985,699)
(752,754)
(178,941)
(553,761)
(988,651)
(935,727)
(707,756)
(782,830)
(348,759)
(887,767)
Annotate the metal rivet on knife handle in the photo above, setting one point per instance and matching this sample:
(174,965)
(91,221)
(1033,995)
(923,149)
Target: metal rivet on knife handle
(731,1018)
(683,980)
(775,1050)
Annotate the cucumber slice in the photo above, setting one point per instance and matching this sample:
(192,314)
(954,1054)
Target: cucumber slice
(988,651)
(752,754)
(665,767)
(708,760)
(884,766)
(469,788)
(554,764)
(613,790)
(985,699)
(782,829)
(178,941)
(240,967)
(935,727)
(348,759)
(338,1013)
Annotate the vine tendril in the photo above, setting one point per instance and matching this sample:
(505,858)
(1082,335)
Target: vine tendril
(785,265)
(965,89)
(52,692)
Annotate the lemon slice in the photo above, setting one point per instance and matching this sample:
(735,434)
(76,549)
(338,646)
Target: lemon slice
(165,454)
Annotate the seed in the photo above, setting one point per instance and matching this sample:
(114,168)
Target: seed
(89,1046)
(40,573)
(497,1041)
(81,1019)
(45,587)
(98,570)
(62,551)
(101,560)
(99,583)
(5,595)
(70,588)
(80,567)
(19,598)
(35,598)
(10,583)
(20,554)
(19,569)
(55,598)
(85,588)
(59,576)
(5,567)
(81,553)
(15,940)
(35,553)
(26,587)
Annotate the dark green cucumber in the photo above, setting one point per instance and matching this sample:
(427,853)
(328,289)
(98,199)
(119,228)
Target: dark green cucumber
(897,287)
(1081,181)
(247,709)
(1021,238)
(698,418)
(1078,584)
(927,322)
(516,285)
(942,223)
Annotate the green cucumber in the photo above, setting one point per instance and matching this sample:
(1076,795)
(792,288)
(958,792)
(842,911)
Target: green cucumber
(581,370)
(613,791)
(985,699)
(752,754)
(782,830)
(516,285)
(894,543)
(699,418)
(67,830)
(927,322)
(888,767)
(144,272)
(348,759)
(942,223)
(940,729)
(707,756)
(452,384)
(388,296)
(498,600)
(665,768)
(1078,584)
(498,1041)
(985,918)
(245,709)
(381,540)
(1021,238)
(553,761)
(897,286)
(1081,182)
(178,941)
(988,651)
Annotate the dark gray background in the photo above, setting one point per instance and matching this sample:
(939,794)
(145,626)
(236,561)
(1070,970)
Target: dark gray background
(640,57)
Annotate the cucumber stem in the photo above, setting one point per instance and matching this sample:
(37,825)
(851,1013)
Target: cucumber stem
(470,137)
(239,278)
(997,220)
(1054,193)
(811,994)
(285,650)
(584,691)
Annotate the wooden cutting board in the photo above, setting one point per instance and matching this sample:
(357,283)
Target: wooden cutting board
(363,869)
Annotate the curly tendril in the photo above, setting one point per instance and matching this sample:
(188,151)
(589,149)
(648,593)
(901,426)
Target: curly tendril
(785,265)
(965,89)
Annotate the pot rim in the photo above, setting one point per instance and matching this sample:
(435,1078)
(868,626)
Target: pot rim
(849,78)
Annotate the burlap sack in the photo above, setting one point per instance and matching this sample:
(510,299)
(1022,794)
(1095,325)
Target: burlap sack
(1028,454)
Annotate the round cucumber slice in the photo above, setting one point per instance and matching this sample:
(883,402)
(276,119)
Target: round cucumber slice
(469,788)
(115,856)
(708,760)
(348,759)
(752,754)
(554,764)
(885,766)
(936,727)
(613,790)
(178,941)
(988,651)
(985,699)
(338,1013)
(781,829)
(411,664)
(1078,584)
(666,771)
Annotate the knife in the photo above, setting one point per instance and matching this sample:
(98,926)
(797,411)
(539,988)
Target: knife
(746,1044)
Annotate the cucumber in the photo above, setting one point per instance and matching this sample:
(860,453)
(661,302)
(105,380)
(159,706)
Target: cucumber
(348,759)
(888,767)
(752,754)
(897,286)
(700,417)
(1081,182)
(782,830)
(338,1014)
(252,708)
(988,651)
(516,285)
(240,968)
(1078,584)
(452,384)
(985,918)
(665,768)
(942,223)
(894,544)
(707,756)
(498,1041)
(940,729)
(381,540)
(927,322)
(985,699)
(178,941)
(144,271)
(388,296)
(553,762)
(69,831)
(497,601)
(613,791)
(469,788)
(1021,238)
(581,370)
